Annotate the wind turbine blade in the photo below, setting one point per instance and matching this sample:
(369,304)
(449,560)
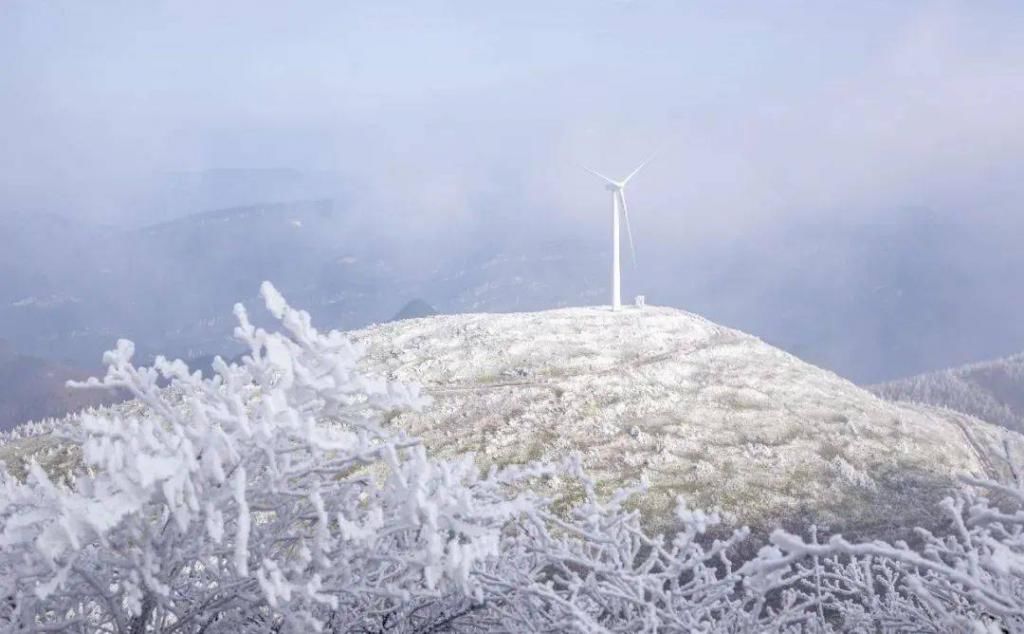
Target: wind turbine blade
(637,170)
(600,175)
(629,232)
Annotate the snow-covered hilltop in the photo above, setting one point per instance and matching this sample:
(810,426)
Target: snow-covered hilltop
(696,408)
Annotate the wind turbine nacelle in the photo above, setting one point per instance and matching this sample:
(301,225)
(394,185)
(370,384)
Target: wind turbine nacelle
(612,187)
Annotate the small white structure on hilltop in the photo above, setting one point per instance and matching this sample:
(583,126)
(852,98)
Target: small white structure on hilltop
(617,188)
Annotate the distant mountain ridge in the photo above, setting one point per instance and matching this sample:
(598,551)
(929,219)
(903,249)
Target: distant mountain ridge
(882,300)
(414,309)
(990,390)
(324,207)
(34,389)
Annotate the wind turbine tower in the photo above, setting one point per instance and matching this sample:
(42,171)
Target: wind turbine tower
(618,190)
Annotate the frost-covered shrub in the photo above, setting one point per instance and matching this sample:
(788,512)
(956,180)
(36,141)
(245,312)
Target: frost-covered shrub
(272,498)
(970,579)
(266,497)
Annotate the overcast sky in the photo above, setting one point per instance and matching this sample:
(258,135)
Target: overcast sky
(760,111)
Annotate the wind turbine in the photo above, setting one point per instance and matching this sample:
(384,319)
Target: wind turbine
(617,188)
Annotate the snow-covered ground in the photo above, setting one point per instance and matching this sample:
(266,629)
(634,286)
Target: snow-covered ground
(696,408)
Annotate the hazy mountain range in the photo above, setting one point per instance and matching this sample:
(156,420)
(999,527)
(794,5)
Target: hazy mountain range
(991,390)
(34,389)
(871,301)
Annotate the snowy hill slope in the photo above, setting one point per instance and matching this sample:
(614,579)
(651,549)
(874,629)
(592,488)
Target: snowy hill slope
(991,390)
(696,408)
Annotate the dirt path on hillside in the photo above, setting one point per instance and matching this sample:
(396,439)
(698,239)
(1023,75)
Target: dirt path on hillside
(651,359)
(982,453)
